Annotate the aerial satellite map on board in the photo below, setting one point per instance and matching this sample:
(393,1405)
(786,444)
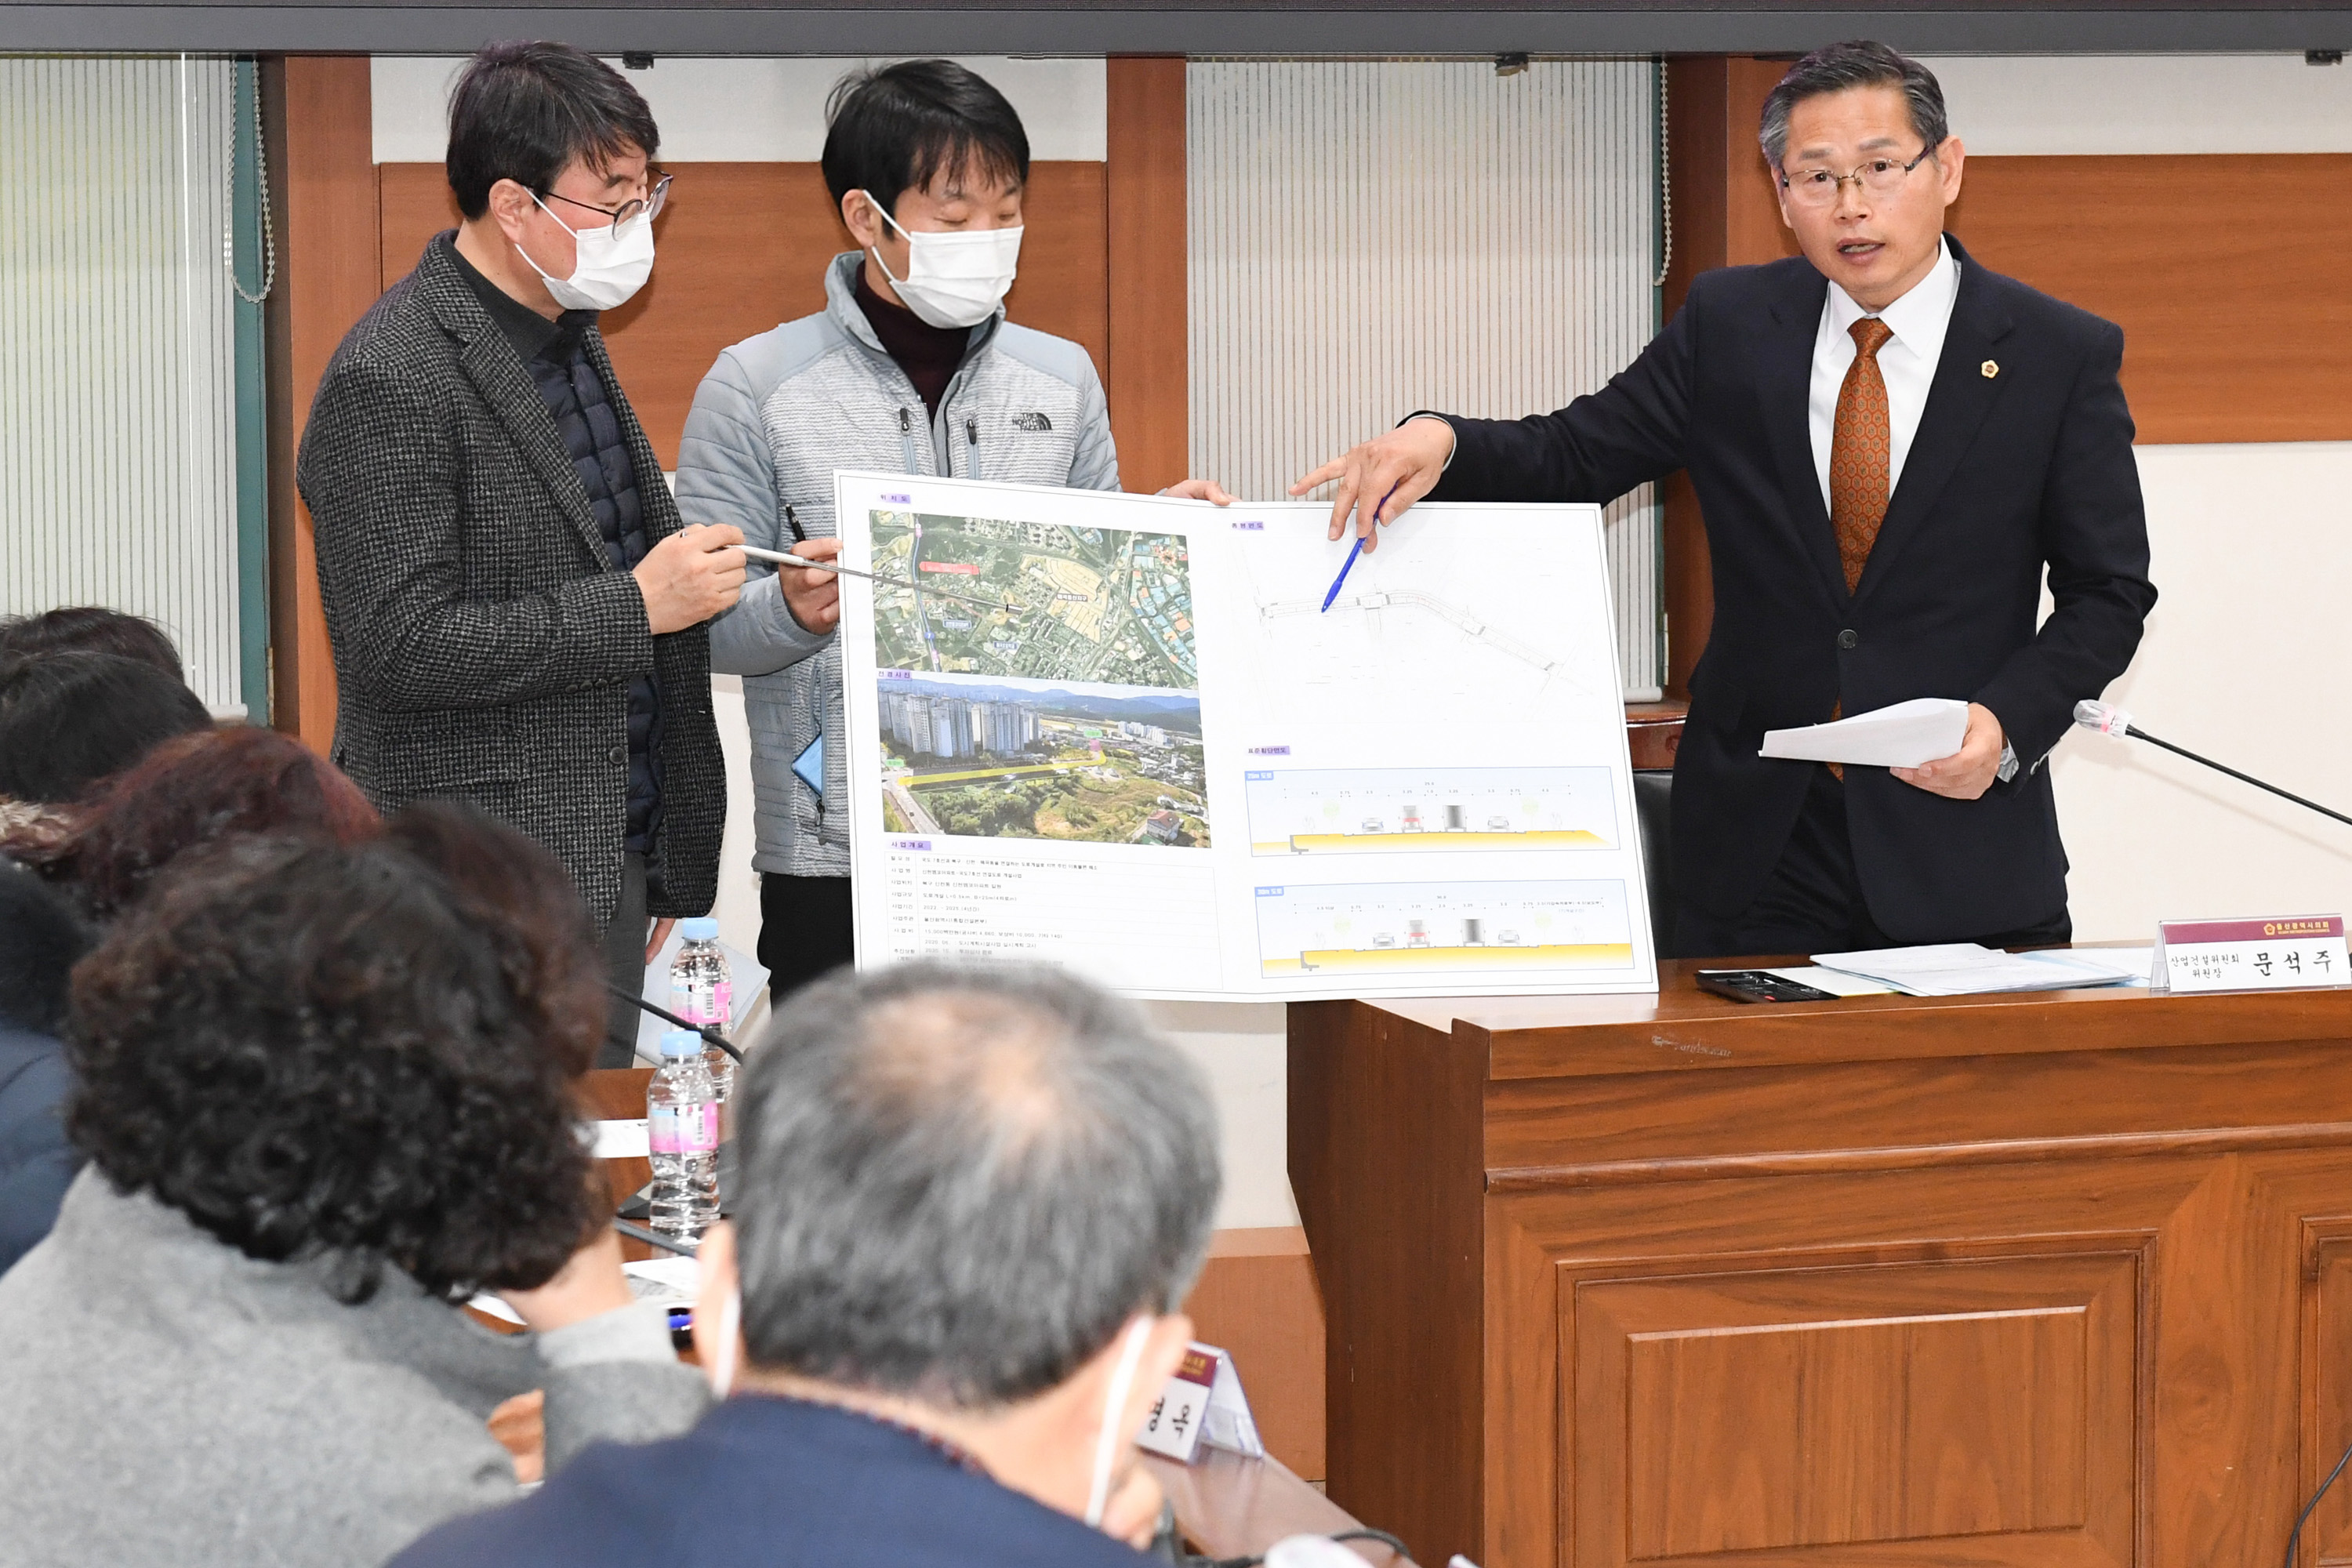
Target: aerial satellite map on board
(1033,600)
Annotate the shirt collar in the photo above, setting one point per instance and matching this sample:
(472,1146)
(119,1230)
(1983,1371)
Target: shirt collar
(531,333)
(1919,318)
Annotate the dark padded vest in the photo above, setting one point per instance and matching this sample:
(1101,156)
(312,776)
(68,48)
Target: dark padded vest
(592,435)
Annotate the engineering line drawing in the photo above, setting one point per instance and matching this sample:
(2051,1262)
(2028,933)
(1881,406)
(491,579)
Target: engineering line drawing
(1340,930)
(1386,811)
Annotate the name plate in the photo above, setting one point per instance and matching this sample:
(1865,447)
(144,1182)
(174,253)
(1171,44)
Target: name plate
(2293,954)
(1202,1403)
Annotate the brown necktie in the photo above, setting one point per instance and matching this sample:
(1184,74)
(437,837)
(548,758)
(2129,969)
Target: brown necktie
(1859,451)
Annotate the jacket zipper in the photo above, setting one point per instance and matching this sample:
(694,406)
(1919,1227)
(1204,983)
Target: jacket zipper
(971,436)
(907,441)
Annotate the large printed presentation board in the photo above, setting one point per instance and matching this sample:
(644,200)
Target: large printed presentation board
(1120,733)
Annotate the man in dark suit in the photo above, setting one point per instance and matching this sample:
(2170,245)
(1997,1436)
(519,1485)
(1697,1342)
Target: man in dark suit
(1890,445)
(971,1203)
(518,618)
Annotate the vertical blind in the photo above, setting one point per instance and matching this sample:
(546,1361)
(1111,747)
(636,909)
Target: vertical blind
(1371,238)
(118,429)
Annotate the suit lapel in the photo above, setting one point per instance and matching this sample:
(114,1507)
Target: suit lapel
(1784,384)
(1958,401)
(506,388)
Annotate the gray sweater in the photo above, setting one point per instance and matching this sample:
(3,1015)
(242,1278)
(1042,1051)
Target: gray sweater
(172,1401)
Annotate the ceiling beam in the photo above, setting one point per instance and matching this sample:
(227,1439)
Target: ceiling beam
(1370,27)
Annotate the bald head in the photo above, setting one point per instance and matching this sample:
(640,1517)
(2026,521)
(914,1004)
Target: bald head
(956,1184)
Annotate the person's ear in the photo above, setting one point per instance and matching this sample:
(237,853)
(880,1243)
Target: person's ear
(1949,158)
(511,207)
(719,1282)
(857,216)
(1780,194)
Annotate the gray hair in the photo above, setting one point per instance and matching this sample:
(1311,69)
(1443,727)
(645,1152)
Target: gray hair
(956,1183)
(1839,66)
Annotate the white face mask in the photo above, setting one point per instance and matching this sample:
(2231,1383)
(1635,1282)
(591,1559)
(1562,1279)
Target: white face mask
(606,270)
(1122,1378)
(953,279)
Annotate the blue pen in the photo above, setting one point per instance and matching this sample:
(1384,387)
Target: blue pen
(1352,553)
(1342,577)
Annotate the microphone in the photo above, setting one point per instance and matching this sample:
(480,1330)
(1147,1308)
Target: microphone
(707,1031)
(2109,719)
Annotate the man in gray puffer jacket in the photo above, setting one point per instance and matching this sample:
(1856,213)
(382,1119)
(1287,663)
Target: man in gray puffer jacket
(910,366)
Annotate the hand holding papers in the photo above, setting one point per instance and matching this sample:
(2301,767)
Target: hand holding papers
(1923,730)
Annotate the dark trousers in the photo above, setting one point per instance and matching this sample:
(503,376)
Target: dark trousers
(1812,901)
(624,966)
(804,930)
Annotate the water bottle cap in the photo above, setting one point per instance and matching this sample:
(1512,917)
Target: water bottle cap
(681,1043)
(704,928)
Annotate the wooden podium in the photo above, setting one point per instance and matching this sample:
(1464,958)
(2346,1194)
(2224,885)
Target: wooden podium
(2032,1281)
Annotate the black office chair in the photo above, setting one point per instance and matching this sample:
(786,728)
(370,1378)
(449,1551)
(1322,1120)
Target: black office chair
(1653,812)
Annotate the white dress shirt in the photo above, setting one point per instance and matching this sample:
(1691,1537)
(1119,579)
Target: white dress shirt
(1906,361)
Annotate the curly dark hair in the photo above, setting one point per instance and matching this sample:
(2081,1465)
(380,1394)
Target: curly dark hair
(192,791)
(321,1051)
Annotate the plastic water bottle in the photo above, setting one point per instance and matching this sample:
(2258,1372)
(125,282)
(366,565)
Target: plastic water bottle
(682,1128)
(701,989)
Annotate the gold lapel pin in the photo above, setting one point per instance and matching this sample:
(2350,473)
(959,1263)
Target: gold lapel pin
(1991,369)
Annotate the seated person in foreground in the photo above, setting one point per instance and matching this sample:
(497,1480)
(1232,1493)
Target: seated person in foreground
(969,1203)
(326,1092)
(39,940)
(189,791)
(91,628)
(69,719)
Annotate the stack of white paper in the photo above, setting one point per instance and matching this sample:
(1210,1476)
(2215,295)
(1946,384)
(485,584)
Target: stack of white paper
(1903,736)
(1963,969)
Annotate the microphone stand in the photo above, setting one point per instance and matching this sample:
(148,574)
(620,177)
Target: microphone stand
(710,1031)
(2133,730)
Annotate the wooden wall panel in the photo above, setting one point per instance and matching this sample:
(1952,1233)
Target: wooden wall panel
(321,162)
(1724,216)
(1257,1297)
(1150,402)
(2231,275)
(743,246)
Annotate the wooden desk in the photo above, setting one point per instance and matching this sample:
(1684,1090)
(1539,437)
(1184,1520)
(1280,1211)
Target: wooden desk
(2052,1279)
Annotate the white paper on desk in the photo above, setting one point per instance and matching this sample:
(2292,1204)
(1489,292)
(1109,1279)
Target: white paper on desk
(1901,736)
(665,1279)
(1835,982)
(1965,969)
(2127,965)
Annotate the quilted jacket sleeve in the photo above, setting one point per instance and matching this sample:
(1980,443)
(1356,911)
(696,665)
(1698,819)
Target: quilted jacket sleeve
(1095,465)
(378,468)
(725,474)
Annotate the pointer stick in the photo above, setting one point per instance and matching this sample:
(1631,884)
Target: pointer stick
(1354,550)
(779,559)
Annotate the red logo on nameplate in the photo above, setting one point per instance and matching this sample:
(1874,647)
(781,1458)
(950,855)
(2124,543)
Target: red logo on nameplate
(1202,1403)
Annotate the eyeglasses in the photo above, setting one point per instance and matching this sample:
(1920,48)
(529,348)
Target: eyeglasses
(627,213)
(1820,187)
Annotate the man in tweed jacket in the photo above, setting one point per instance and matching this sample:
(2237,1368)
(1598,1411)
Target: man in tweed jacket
(518,618)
